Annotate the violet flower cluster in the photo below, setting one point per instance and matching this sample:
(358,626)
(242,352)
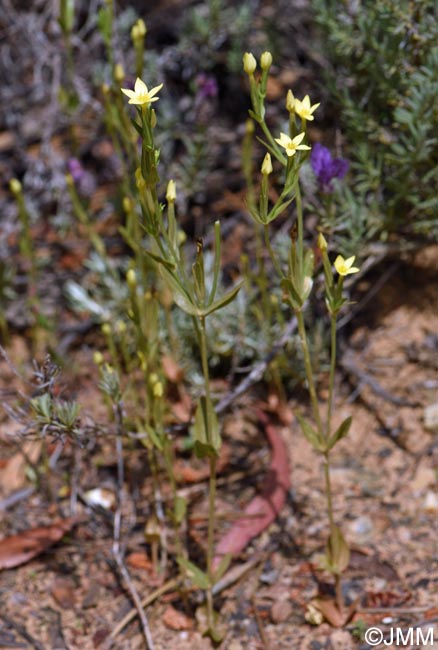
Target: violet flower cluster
(327,168)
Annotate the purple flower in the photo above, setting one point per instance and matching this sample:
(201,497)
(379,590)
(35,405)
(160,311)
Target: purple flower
(326,167)
(207,86)
(76,170)
(83,180)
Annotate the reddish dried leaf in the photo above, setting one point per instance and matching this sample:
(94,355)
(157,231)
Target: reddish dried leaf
(266,505)
(63,592)
(19,549)
(172,371)
(176,620)
(139,561)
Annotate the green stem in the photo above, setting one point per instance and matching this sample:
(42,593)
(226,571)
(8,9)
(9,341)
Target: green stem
(212,480)
(308,369)
(300,226)
(328,490)
(332,375)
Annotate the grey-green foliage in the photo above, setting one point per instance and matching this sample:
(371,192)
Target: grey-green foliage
(384,78)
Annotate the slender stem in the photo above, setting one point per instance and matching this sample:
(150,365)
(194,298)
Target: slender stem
(300,225)
(328,490)
(308,369)
(210,542)
(204,362)
(212,480)
(332,375)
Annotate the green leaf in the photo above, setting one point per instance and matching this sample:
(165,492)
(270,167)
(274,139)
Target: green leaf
(198,577)
(156,439)
(180,509)
(340,433)
(206,429)
(338,552)
(137,127)
(170,266)
(223,566)
(311,434)
(222,302)
(180,295)
(287,286)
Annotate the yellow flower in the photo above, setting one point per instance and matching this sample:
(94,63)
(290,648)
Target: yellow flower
(141,95)
(266,60)
(304,109)
(249,63)
(267,165)
(345,267)
(291,144)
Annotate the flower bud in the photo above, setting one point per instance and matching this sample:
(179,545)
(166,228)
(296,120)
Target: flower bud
(119,73)
(131,279)
(249,63)
(15,186)
(98,358)
(171,192)
(158,389)
(249,126)
(290,101)
(106,329)
(127,205)
(267,165)
(266,60)
(322,243)
(141,27)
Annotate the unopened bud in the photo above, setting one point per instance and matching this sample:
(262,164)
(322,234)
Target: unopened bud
(127,205)
(290,101)
(119,73)
(267,165)
(249,126)
(266,60)
(131,278)
(15,186)
(98,358)
(158,389)
(322,243)
(171,192)
(249,63)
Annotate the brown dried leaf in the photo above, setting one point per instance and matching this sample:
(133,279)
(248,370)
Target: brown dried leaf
(139,561)
(19,549)
(331,613)
(176,620)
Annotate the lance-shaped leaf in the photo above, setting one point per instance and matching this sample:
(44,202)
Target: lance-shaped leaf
(170,266)
(223,566)
(206,430)
(340,433)
(180,509)
(338,553)
(198,577)
(180,295)
(311,434)
(221,302)
(288,287)
(199,273)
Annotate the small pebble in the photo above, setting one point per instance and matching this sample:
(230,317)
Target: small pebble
(280,611)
